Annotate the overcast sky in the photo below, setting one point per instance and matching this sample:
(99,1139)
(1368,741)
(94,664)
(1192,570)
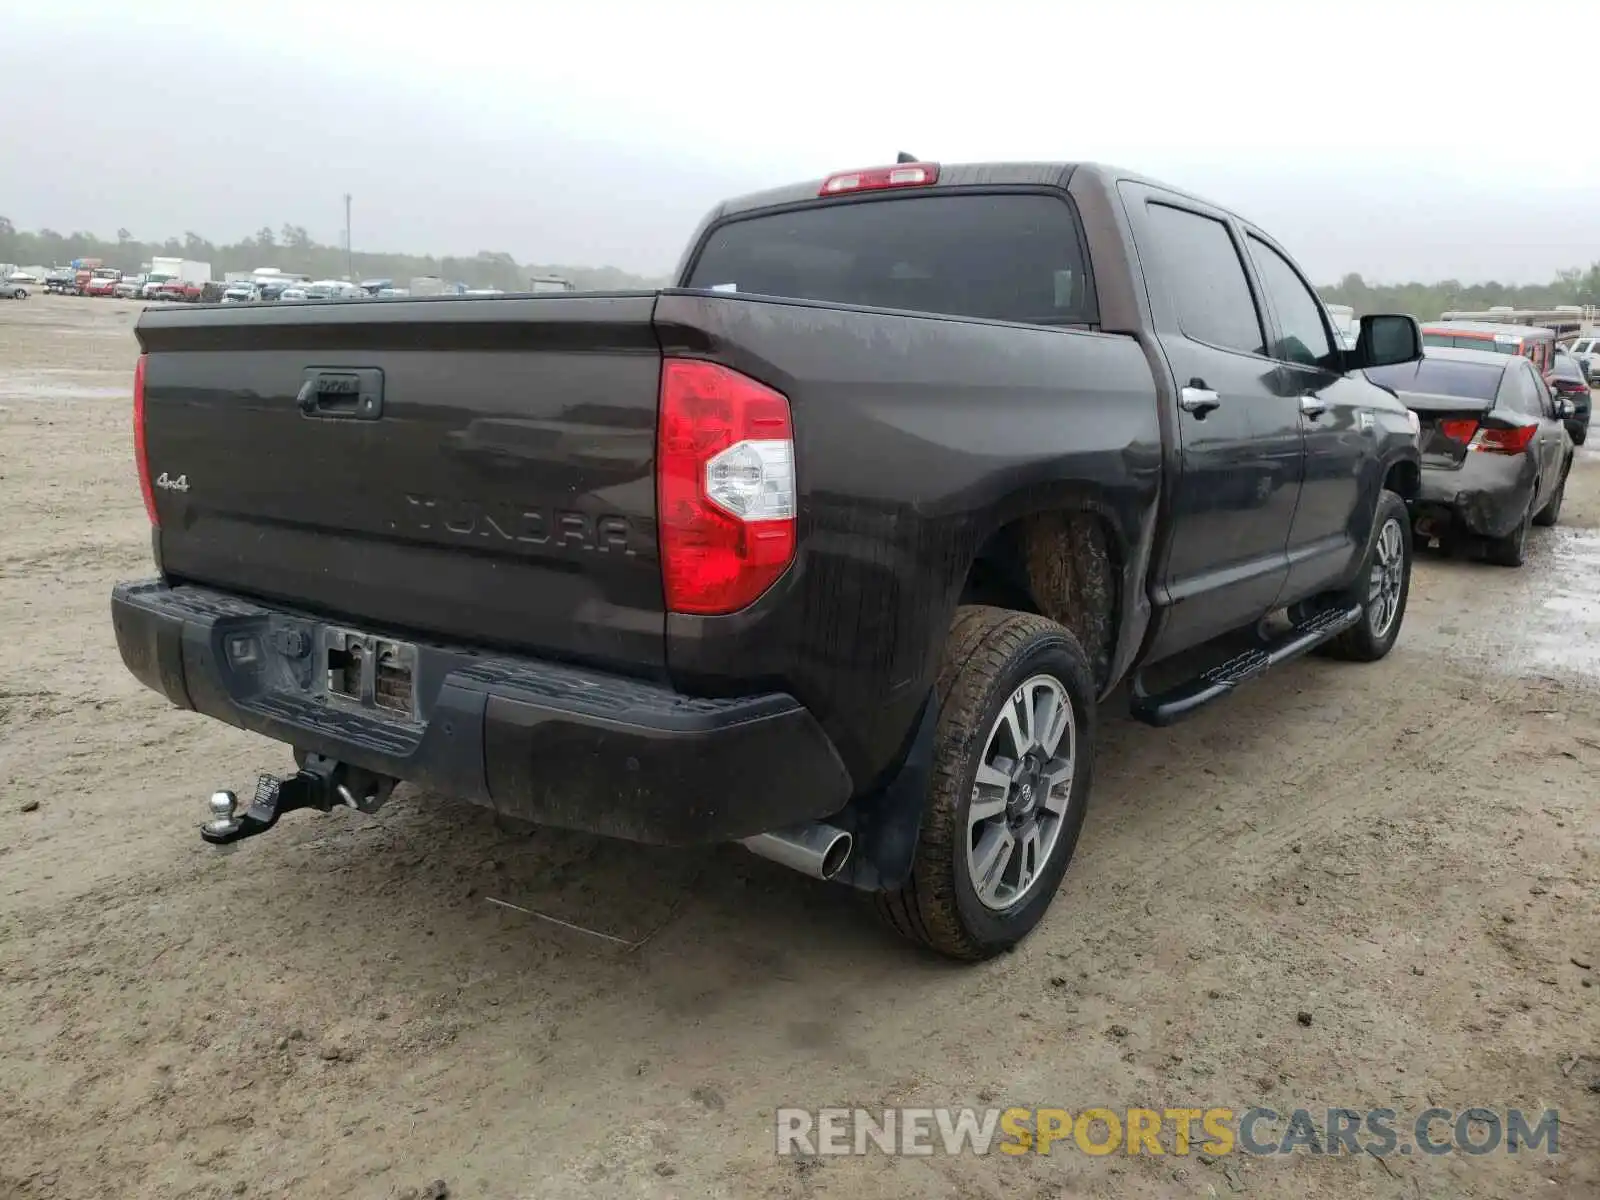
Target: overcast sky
(1380,138)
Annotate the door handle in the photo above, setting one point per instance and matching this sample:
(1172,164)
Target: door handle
(1313,406)
(1198,399)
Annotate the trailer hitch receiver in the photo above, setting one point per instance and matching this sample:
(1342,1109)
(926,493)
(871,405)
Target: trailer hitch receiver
(321,783)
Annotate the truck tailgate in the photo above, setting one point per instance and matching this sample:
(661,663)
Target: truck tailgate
(477,469)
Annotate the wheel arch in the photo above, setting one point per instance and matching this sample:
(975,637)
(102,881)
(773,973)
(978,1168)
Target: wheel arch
(1403,476)
(1069,561)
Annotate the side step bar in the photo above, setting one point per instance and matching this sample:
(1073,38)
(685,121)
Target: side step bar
(1165,708)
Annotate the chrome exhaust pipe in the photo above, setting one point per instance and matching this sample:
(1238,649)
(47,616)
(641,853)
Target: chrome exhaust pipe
(817,850)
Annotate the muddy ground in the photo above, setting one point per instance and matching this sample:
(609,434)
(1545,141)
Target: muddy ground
(1405,852)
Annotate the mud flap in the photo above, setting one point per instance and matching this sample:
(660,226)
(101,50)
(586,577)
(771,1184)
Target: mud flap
(886,823)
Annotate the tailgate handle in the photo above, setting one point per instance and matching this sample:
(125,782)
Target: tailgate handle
(351,395)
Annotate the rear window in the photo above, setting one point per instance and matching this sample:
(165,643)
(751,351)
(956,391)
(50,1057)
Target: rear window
(1436,377)
(1009,257)
(1464,341)
(1566,367)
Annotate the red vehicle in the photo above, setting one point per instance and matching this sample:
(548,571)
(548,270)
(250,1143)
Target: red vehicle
(102,282)
(178,289)
(83,271)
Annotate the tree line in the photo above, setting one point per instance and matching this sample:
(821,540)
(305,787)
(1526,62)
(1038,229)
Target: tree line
(292,249)
(1428,301)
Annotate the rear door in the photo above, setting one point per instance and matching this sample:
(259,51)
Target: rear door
(477,470)
(1241,452)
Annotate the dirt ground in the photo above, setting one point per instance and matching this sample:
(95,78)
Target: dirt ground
(1407,853)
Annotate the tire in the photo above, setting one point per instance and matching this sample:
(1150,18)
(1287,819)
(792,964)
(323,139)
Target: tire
(991,656)
(1382,588)
(1551,512)
(1509,551)
(1581,436)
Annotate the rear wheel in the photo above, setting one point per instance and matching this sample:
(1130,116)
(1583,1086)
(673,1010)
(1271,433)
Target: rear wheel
(1013,760)
(1551,512)
(1509,551)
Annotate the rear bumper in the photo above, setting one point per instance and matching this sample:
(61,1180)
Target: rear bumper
(1486,496)
(543,742)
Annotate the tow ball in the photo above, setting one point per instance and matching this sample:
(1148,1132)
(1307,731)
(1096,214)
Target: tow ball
(321,783)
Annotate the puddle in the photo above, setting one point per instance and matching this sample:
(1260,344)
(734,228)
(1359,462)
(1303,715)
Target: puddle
(1563,627)
(1542,619)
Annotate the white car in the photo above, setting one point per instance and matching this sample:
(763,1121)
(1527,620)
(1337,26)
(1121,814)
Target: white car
(241,293)
(292,296)
(1587,351)
(334,289)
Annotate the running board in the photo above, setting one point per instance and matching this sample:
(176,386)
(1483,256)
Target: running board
(1165,708)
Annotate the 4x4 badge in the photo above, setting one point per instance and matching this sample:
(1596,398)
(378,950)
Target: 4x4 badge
(180,484)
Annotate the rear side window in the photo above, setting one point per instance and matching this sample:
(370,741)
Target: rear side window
(1521,395)
(1201,268)
(1003,257)
(1441,377)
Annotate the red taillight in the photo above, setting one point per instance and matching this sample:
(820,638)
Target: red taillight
(140,453)
(1504,441)
(725,487)
(1459,429)
(874,179)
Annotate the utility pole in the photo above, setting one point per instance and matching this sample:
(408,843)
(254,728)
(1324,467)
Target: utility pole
(349,252)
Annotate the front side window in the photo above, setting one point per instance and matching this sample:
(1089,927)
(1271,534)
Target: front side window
(1302,337)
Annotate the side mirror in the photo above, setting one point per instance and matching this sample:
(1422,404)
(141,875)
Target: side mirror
(1565,409)
(1385,340)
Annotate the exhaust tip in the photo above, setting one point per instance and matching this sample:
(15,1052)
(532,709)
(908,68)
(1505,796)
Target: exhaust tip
(818,850)
(836,855)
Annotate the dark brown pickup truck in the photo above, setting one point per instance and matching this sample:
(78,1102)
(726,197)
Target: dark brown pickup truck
(833,549)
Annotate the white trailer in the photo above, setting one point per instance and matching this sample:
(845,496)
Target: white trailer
(183,270)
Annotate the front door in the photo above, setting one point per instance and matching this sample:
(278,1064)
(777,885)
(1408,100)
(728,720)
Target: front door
(1329,530)
(1240,452)
(1552,437)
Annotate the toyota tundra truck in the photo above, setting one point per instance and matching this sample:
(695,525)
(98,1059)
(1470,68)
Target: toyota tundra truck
(835,549)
